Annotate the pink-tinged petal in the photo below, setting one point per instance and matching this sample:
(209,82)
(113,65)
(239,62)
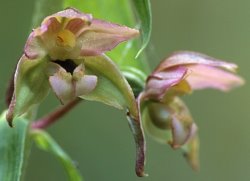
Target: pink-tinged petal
(76,24)
(73,13)
(50,25)
(183,58)
(203,76)
(41,40)
(34,47)
(61,84)
(160,82)
(103,36)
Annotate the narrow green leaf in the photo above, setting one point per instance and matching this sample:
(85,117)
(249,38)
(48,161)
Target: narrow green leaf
(143,11)
(13,149)
(45,142)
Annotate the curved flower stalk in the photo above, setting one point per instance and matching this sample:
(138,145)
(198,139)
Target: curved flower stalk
(165,116)
(66,55)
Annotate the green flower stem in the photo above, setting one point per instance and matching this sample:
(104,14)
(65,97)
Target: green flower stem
(55,115)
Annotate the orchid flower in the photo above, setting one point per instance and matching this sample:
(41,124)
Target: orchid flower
(165,116)
(56,52)
(66,54)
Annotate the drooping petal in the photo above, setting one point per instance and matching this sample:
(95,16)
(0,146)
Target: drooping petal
(184,58)
(30,86)
(103,36)
(160,82)
(202,76)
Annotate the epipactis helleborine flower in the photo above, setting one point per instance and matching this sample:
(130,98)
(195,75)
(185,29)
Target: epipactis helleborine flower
(165,117)
(57,51)
(66,54)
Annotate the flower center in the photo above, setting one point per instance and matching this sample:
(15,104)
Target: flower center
(66,38)
(68,65)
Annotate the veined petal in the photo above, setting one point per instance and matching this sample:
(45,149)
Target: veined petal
(103,36)
(203,76)
(183,58)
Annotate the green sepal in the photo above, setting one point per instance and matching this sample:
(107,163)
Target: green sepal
(31,86)
(112,88)
(45,142)
(14,147)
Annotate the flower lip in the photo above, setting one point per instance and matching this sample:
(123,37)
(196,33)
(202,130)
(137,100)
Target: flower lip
(68,65)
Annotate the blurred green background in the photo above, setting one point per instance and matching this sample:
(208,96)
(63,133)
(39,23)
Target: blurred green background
(98,137)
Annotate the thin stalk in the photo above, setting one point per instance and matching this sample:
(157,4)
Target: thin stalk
(51,118)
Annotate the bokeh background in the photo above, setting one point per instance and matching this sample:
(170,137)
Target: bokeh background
(98,137)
